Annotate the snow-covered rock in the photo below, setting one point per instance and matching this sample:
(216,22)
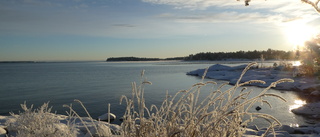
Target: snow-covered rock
(269,75)
(308,109)
(287,129)
(105,116)
(304,130)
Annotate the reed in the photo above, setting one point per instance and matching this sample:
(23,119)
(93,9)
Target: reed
(221,113)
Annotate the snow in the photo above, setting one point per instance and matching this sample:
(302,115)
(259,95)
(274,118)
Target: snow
(269,75)
(102,127)
(105,116)
(305,85)
(113,130)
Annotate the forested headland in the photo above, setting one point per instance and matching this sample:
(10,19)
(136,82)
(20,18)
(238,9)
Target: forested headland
(250,55)
(269,54)
(141,59)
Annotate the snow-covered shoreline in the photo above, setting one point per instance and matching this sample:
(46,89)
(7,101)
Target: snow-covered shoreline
(306,86)
(269,75)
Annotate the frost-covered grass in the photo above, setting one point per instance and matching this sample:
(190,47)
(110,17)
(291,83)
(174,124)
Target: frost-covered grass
(39,123)
(184,114)
(222,113)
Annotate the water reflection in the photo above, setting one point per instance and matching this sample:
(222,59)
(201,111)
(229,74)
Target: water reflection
(297,103)
(294,125)
(296,63)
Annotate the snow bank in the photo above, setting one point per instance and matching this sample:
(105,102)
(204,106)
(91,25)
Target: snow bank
(309,86)
(269,75)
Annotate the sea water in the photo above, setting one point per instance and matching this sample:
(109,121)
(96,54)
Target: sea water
(98,83)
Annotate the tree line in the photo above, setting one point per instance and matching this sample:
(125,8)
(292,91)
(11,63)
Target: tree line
(141,59)
(269,54)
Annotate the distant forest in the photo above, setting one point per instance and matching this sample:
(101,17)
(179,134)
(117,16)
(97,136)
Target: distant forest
(141,59)
(251,55)
(215,56)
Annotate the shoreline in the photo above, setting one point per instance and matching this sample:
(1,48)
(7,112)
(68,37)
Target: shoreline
(308,88)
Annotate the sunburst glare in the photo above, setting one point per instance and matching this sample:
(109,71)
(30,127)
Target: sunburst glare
(296,63)
(298,32)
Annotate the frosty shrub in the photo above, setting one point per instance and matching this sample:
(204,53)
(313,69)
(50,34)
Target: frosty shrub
(222,113)
(39,123)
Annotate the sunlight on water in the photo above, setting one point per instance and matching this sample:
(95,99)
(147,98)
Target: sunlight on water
(296,63)
(294,125)
(297,103)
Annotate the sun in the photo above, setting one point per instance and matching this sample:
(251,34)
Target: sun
(298,32)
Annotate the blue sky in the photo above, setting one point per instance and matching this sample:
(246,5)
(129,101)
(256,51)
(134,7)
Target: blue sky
(56,30)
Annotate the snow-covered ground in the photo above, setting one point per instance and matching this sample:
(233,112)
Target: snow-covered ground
(269,75)
(308,86)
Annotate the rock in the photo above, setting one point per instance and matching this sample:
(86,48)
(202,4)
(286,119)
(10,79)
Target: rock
(304,130)
(261,132)
(317,130)
(316,93)
(258,108)
(317,125)
(278,134)
(3,132)
(287,129)
(285,133)
(104,117)
(121,119)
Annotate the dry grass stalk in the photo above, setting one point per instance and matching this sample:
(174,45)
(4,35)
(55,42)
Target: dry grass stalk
(183,115)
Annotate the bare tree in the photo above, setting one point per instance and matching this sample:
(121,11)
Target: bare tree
(313,3)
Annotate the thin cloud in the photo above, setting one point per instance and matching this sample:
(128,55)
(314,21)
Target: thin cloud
(220,17)
(259,11)
(123,25)
(290,8)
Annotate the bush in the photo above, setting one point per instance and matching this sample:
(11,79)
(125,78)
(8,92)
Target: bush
(39,123)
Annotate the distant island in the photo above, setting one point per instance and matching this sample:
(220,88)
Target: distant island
(18,62)
(141,59)
(269,54)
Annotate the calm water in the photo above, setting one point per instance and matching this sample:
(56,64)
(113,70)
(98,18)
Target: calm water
(98,83)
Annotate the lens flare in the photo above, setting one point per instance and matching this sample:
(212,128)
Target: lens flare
(296,63)
(298,32)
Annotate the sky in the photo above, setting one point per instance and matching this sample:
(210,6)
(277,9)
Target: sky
(70,30)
